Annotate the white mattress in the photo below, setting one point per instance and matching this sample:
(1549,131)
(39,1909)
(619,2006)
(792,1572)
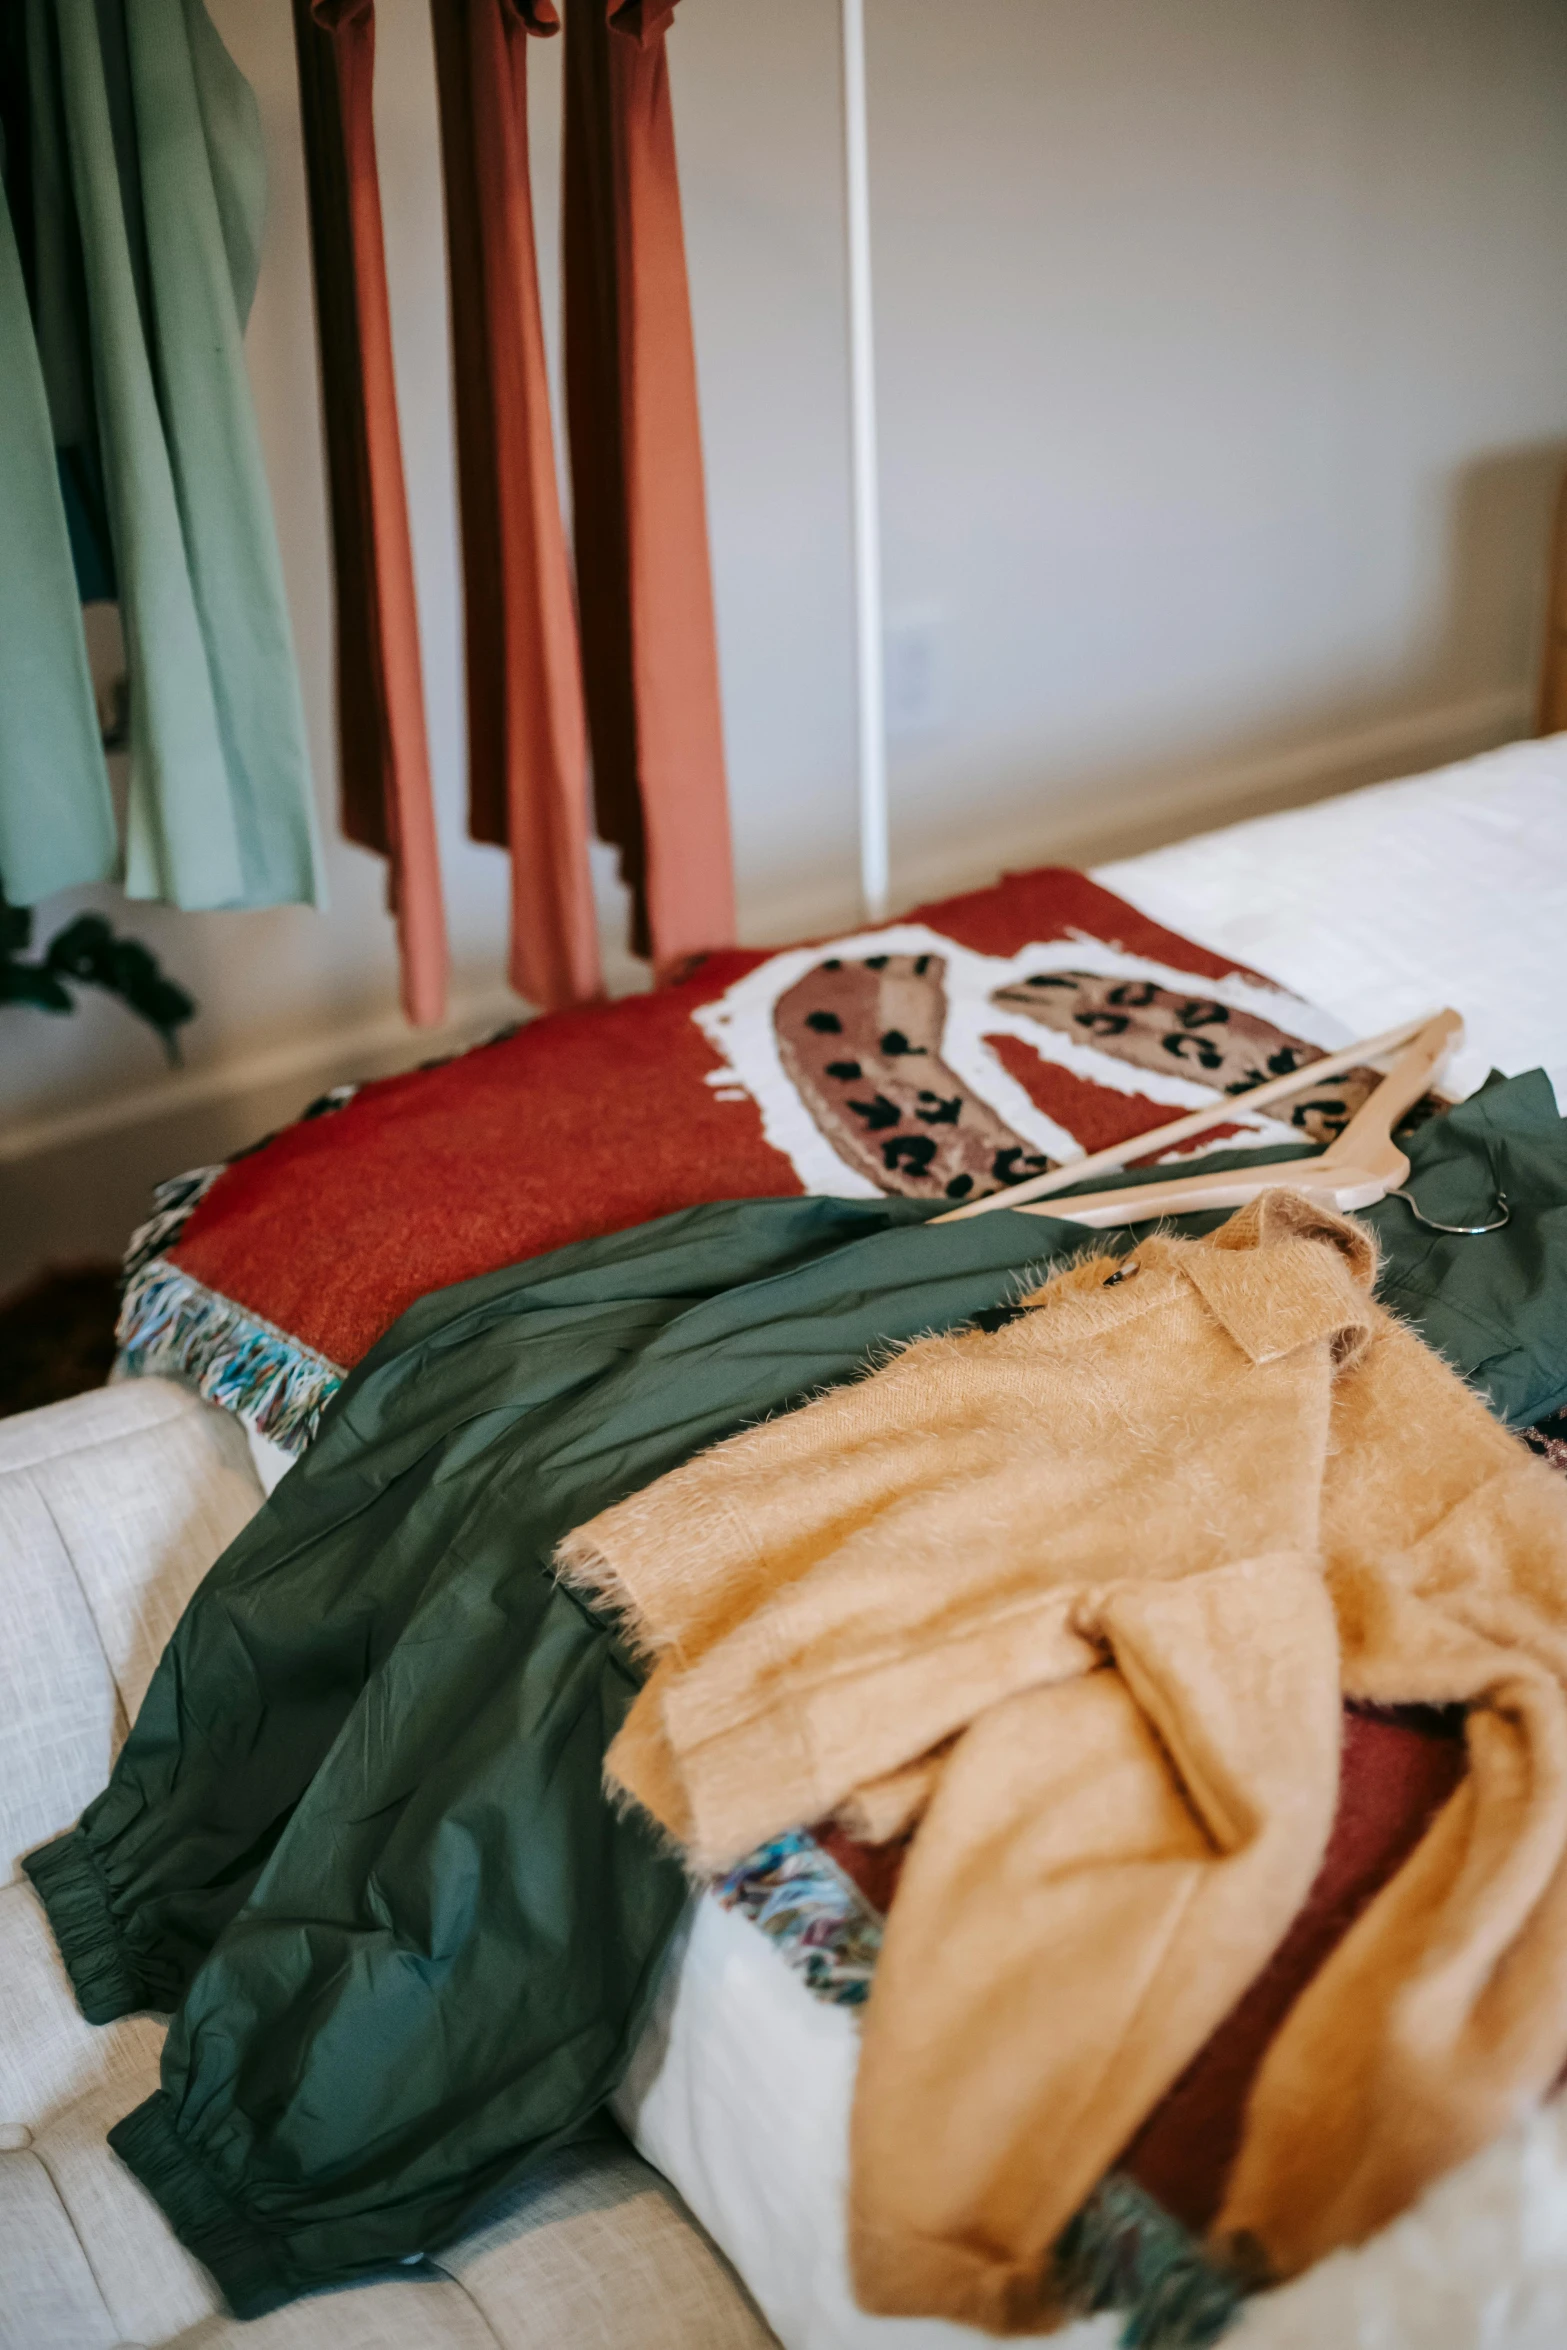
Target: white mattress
(1449,888)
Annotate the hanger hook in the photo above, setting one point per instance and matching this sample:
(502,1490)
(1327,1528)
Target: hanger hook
(1462,1231)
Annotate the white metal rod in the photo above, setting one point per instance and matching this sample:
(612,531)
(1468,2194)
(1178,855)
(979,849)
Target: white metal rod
(863,472)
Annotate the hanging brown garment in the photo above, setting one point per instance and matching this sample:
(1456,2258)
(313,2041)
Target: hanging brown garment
(649,647)
(383,749)
(527,744)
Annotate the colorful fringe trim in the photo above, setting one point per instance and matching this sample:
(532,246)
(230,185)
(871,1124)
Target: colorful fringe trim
(173,1204)
(1122,2251)
(175,1327)
(818,1917)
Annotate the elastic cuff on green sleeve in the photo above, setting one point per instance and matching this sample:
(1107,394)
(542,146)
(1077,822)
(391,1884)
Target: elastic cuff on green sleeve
(75,1894)
(242,2258)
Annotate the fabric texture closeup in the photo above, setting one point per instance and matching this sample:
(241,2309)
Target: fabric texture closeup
(143,1475)
(51,2295)
(1237,1483)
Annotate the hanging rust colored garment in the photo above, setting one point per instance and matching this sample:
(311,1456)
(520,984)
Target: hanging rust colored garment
(649,648)
(383,749)
(527,745)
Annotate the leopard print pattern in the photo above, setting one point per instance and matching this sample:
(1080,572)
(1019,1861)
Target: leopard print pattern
(1153,1027)
(861,1042)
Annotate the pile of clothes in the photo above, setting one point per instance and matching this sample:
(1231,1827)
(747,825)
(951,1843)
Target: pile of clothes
(1052,1570)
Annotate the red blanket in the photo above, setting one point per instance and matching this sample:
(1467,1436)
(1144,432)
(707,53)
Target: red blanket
(1072,1020)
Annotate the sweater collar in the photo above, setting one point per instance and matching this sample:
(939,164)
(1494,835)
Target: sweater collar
(1284,1273)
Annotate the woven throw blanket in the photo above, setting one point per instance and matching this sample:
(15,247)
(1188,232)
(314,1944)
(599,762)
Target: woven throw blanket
(978,1042)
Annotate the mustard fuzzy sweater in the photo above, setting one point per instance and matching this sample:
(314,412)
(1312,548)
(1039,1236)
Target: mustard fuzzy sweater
(1081,1595)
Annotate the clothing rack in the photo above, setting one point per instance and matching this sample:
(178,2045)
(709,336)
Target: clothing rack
(871,734)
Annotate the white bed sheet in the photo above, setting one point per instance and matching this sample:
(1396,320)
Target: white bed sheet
(1448,888)
(1443,888)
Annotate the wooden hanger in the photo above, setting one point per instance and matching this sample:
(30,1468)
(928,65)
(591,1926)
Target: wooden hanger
(1361,1165)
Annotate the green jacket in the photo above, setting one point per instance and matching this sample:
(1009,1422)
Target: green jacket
(356,1840)
(141,192)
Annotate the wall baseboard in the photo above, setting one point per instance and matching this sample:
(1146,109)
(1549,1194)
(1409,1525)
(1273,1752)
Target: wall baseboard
(75,1182)
(367,1048)
(1201,799)
(1127,813)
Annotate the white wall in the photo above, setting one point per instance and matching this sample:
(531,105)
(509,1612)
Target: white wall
(1223,361)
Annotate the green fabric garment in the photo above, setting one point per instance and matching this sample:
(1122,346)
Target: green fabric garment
(56,824)
(357,1840)
(41,182)
(148,191)
(1495,1308)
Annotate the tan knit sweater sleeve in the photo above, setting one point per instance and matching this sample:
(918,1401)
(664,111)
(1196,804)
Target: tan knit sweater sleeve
(1441,2015)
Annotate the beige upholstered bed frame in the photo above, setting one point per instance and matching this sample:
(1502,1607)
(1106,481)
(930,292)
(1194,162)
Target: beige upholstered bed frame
(1552,714)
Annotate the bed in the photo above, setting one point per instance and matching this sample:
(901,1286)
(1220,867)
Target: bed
(1449,887)
(1446,887)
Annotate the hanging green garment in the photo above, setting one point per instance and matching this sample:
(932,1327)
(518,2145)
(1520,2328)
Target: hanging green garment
(148,194)
(357,1839)
(56,824)
(1494,1309)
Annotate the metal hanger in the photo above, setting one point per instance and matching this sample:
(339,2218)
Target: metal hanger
(1462,1231)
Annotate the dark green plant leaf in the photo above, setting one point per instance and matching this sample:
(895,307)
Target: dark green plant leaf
(88,951)
(30,983)
(16,928)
